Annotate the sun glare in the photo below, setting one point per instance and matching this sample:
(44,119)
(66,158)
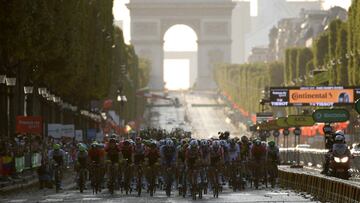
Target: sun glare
(179,38)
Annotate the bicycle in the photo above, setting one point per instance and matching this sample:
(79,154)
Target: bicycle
(139,173)
(214,180)
(195,187)
(57,176)
(112,176)
(96,177)
(82,179)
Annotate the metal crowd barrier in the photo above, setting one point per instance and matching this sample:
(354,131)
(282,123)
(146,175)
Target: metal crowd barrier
(28,161)
(314,158)
(324,189)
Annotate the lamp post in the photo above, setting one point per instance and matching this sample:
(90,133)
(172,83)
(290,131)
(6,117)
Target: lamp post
(28,90)
(122,100)
(10,83)
(42,92)
(2,100)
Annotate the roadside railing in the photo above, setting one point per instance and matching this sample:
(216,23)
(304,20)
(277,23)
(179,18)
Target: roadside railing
(314,158)
(323,188)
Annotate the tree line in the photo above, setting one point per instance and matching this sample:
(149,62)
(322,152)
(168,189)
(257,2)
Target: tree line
(333,59)
(71,46)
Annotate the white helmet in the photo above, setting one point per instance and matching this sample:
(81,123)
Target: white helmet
(340,132)
(169,143)
(216,144)
(339,138)
(193,143)
(204,143)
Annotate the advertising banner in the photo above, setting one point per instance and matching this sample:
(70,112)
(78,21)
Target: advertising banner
(91,134)
(79,135)
(29,124)
(68,130)
(331,115)
(300,120)
(321,96)
(55,130)
(99,137)
(314,96)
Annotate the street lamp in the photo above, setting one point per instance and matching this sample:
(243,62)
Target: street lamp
(10,83)
(28,90)
(2,99)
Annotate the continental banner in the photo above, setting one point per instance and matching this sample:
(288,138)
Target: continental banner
(321,96)
(314,96)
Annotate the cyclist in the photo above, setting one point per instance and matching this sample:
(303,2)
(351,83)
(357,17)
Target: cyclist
(82,160)
(57,156)
(216,159)
(273,153)
(168,160)
(139,151)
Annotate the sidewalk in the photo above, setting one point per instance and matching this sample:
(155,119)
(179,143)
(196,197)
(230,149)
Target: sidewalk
(30,179)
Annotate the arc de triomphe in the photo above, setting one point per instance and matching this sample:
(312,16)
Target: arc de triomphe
(210,19)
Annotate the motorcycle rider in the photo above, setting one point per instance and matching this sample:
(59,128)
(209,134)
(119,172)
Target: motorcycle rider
(340,148)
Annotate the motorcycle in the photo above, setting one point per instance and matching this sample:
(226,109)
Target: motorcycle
(340,164)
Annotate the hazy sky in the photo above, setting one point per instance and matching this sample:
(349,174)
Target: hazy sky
(176,72)
(121,12)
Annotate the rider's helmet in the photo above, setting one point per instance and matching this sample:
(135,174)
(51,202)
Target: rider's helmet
(232,142)
(94,144)
(271,144)
(162,142)
(82,148)
(193,143)
(257,142)
(183,141)
(126,143)
(56,146)
(244,139)
(339,132)
(112,140)
(204,143)
(222,143)
(169,143)
(153,144)
(215,144)
(138,140)
(339,139)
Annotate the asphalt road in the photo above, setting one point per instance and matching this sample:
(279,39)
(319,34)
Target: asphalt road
(200,114)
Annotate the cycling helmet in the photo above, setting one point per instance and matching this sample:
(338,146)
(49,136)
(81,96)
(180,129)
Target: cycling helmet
(56,146)
(222,142)
(226,134)
(162,142)
(339,139)
(153,144)
(340,132)
(215,144)
(138,140)
(112,140)
(193,143)
(257,142)
(94,144)
(244,139)
(271,143)
(204,142)
(169,143)
(82,148)
(126,143)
